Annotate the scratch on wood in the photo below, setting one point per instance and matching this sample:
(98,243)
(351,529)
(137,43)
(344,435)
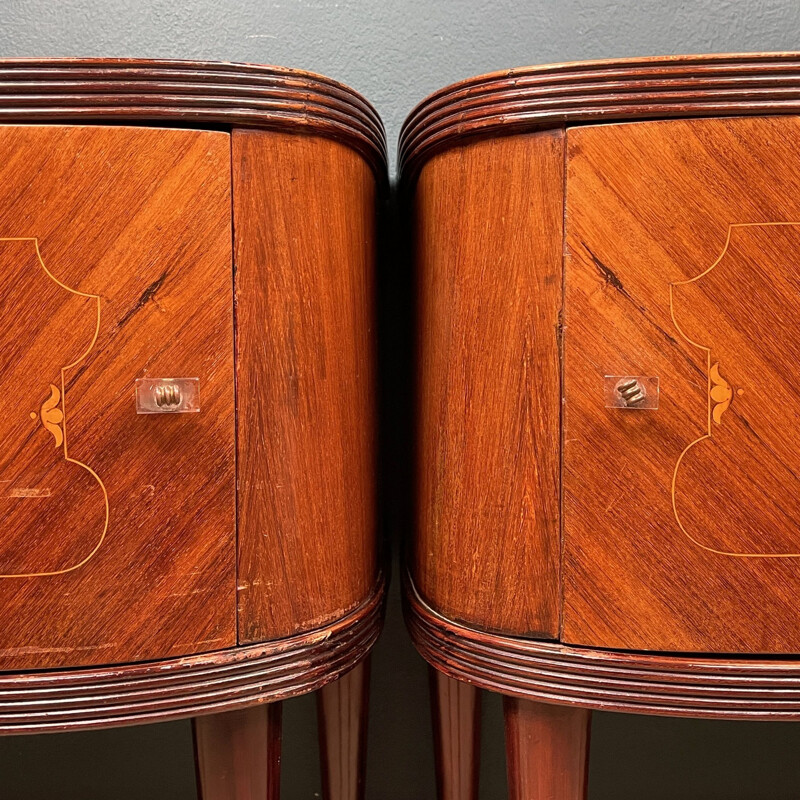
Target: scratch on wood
(146,296)
(205,590)
(30,650)
(29,493)
(182,645)
(608,275)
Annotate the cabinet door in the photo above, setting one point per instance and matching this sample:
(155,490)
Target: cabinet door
(682,522)
(117,537)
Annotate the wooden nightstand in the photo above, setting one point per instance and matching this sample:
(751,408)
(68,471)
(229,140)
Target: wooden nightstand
(187,406)
(609,464)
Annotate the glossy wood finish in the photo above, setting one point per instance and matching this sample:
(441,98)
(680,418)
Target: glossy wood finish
(238,754)
(546,97)
(547,750)
(679,525)
(117,262)
(136,222)
(649,549)
(305,211)
(118,529)
(187,93)
(456,711)
(342,708)
(712,687)
(134,694)
(489,287)
(681,249)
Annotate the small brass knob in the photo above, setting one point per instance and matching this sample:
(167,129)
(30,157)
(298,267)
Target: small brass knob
(167,395)
(631,392)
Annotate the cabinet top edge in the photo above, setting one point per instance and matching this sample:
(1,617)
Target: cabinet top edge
(527,99)
(174,92)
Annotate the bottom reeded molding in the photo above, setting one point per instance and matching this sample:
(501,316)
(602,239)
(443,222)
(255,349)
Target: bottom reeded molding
(711,687)
(226,680)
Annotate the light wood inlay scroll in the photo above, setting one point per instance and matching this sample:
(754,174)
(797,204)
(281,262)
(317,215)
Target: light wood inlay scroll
(680,525)
(720,395)
(54,420)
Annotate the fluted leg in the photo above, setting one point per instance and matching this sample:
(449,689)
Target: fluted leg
(238,754)
(342,708)
(456,710)
(547,750)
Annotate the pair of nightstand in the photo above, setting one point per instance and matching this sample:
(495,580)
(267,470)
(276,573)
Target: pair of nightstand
(607,468)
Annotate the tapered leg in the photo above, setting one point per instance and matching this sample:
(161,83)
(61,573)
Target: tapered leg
(547,750)
(238,754)
(456,710)
(342,708)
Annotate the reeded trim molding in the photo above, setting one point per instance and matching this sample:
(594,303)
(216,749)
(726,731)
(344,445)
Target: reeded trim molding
(639,683)
(189,93)
(531,98)
(130,694)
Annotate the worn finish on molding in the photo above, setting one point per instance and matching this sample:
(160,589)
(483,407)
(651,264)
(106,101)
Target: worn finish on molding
(188,92)
(133,694)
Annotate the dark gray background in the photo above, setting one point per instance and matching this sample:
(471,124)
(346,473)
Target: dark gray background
(395,53)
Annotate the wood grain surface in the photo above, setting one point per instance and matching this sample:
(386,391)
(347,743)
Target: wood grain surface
(701,686)
(488,222)
(49,701)
(304,245)
(118,535)
(680,524)
(342,712)
(547,750)
(175,92)
(526,99)
(456,714)
(238,754)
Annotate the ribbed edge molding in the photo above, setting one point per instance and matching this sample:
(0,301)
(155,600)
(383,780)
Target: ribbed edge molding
(532,98)
(640,683)
(76,699)
(189,93)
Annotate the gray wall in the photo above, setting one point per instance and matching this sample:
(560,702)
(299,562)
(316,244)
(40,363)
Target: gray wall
(395,53)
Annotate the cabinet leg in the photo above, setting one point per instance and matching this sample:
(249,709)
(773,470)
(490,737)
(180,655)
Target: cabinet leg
(238,754)
(456,710)
(342,708)
(547,750)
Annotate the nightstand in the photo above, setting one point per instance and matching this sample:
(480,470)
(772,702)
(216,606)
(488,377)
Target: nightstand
(608,462)
(187,411)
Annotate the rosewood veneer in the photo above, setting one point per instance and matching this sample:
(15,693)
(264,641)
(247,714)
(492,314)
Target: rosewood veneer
(194,241)
(608,471)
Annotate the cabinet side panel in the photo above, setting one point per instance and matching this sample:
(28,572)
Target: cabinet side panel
(488,220)
(304,211)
